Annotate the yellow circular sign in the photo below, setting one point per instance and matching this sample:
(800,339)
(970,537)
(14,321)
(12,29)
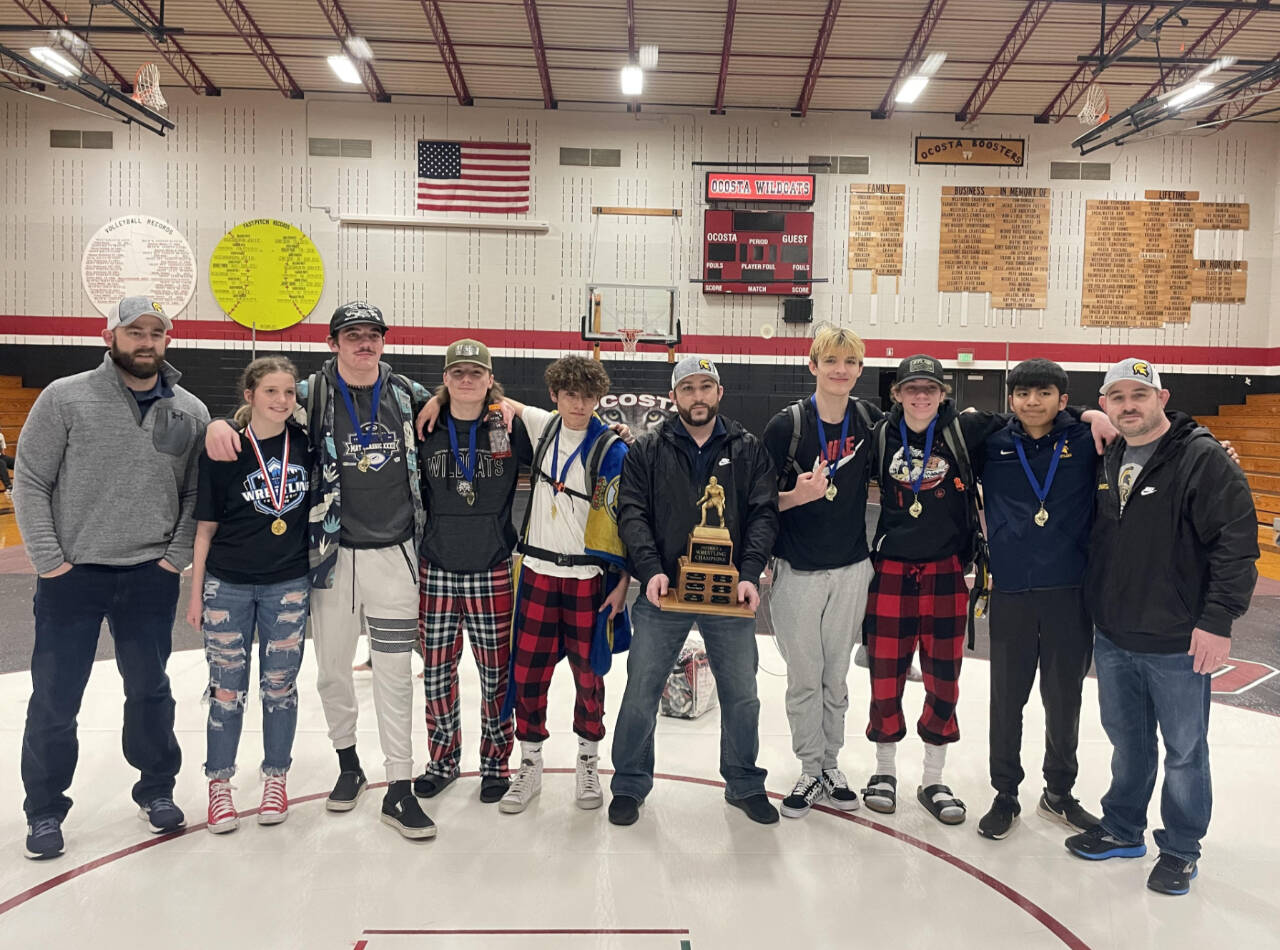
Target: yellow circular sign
(266,274)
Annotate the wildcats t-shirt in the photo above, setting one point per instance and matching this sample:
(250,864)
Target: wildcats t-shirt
(236,496)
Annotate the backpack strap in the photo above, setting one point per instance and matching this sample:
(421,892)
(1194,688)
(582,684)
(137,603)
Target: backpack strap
(317,397)
(981,591)
(795,411)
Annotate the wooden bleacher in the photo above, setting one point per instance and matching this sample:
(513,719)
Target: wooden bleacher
(1254,430)
(15,403)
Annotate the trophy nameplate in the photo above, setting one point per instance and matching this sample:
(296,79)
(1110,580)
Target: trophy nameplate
(707,582)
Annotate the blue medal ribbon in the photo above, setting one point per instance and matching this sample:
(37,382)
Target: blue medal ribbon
(1042,492)
(468,473)
(364,438)
(916,480)
(822,438)
(558,483)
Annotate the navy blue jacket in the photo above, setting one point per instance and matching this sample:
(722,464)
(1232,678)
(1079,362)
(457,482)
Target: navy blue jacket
(1025,556)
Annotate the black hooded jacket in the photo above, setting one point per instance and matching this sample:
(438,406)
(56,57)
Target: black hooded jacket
(1183,553)
(657,501)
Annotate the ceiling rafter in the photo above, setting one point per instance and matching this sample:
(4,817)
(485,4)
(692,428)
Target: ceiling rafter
(1209,44)
(179,59)
(1123,30)
(47,15)
(341,27)
(435,19)
(731,11)
(12,71)
(1026,24)
(912,57)
(539,53)
(1233,109)
(815,61)
(244,24)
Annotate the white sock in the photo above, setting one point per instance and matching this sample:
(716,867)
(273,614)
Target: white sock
(886,758)
(935,757)
(531,750)
(588,747)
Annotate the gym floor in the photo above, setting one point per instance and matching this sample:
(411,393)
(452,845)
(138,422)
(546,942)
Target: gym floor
(692,873)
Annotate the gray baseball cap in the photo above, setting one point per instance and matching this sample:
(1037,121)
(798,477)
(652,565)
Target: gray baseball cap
(131,308)
(692,366)
(1135,369)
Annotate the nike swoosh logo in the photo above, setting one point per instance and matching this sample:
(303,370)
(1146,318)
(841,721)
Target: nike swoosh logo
(1006,451)
(724,461)
(1147,491)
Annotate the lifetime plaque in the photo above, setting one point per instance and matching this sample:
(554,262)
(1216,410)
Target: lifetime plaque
(708,582)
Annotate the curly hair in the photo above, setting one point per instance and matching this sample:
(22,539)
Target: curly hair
(577,374)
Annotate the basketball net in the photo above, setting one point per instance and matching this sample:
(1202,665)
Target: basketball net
(629,339)
(146,88)
(1097,106)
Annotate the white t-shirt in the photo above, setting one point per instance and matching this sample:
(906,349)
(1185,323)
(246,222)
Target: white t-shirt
(563,533)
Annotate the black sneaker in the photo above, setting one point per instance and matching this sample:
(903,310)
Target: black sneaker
(44,838)
(402,812)
(346,791)
(624,810)
(1065,810)
(162,815)
(429,785)
(999,821)
(1172,875)
(838,791)
(758,808)
(493,787)
(807,790)
(1096,845)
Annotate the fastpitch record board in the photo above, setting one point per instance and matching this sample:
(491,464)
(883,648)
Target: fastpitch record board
(757,252)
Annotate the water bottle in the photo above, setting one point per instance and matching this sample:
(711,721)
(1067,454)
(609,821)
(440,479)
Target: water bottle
(499,440)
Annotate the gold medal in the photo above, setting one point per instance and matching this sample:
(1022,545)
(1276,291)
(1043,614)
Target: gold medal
(915,508)
(278,526)
(470,497)
(364,463)
(1042,516)
(831,492)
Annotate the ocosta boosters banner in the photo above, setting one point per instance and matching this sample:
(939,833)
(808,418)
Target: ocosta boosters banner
(759,186)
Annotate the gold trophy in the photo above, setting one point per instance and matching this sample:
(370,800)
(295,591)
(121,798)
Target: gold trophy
(708,581)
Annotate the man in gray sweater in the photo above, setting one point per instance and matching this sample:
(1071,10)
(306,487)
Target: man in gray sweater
(104,491)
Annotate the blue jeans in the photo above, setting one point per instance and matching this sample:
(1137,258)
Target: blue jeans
(138,604)
(231,612)
(657,638)
(1137,692)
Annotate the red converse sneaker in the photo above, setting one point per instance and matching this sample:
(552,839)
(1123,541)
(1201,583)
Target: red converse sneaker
(275,801)
(222,810)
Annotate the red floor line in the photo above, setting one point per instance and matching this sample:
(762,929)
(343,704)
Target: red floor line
(1038,913)
(559,931)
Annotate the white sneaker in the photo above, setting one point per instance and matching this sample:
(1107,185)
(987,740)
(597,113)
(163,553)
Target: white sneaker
(587,783)
(524,787)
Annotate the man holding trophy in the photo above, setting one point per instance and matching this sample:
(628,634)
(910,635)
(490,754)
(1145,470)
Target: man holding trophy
(698,512)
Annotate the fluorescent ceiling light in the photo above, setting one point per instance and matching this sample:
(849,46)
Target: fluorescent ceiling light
(359,47)
(648,56)
(56,61)
(911,89)
(1193,91)
(1217,66)
(932,63)
(632,79)
(344,69)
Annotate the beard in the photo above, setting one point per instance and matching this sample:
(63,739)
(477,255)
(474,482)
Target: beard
(130,363)
(686,415)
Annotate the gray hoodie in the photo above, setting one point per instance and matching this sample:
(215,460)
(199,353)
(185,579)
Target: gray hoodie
(98,483)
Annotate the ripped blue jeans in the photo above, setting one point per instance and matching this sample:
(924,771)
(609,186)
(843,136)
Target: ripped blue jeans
(231,614)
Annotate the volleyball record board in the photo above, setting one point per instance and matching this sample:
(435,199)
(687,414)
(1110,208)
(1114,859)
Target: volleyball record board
(138,255)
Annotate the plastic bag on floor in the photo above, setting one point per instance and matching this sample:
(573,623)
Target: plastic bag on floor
(690,689)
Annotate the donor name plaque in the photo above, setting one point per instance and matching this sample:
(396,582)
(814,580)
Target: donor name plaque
(707,582)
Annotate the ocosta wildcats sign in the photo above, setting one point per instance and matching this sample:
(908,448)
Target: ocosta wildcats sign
(757,186)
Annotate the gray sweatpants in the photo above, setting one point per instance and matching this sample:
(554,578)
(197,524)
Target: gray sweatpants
(817,618)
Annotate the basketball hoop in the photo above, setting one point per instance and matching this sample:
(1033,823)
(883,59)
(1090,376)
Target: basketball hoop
(146,88)
(1097,106)
(629,339)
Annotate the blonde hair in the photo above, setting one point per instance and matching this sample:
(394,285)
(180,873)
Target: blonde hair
(831,339)
(897,388)
(252,375)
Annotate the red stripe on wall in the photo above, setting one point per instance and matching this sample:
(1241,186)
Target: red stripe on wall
(504,338)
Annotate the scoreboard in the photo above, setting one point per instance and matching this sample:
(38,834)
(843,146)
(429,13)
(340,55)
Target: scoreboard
(757,252)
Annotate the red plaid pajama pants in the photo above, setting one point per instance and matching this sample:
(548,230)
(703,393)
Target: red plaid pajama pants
(481,601)
(556,614)
(914,603)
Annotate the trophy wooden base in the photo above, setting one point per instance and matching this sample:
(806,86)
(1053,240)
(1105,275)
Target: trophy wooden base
(669,601)
(706,588)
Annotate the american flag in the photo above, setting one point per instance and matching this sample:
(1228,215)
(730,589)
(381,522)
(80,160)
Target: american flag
(489,177)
